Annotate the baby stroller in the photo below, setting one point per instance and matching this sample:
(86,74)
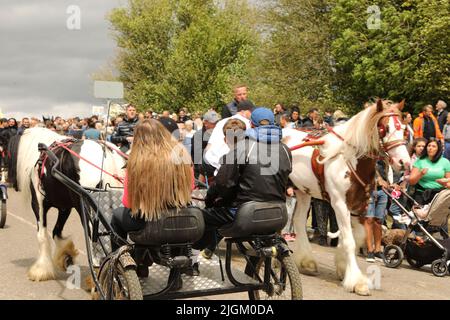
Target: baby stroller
(427,220)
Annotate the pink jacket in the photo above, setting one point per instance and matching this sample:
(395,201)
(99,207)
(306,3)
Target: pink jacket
(125,189)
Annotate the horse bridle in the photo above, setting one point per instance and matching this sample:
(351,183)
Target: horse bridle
(383,131)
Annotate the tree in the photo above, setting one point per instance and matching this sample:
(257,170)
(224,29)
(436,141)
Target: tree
(404,54)
(295,62)
(180,53)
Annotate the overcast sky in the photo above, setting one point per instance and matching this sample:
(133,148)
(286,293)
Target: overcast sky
(45,68)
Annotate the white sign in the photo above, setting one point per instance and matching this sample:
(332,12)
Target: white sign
(98,110)
(108,90)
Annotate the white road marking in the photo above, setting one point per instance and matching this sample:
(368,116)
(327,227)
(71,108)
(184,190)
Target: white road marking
(33,226)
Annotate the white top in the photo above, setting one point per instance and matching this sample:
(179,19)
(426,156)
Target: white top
(217,147)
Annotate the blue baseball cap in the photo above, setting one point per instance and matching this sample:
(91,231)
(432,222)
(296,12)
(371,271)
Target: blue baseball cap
(260,114)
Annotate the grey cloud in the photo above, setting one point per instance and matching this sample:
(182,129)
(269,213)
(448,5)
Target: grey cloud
(46,68)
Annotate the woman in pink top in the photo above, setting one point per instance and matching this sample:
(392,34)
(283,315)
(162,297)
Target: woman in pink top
(159,177)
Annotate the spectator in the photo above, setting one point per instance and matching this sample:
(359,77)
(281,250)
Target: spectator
(199,142)
(76,131)
(339,117)
(165,114)
(409,132)
(34,122)
(182,117)
(417,149)
(446,134)
(92,133)
(198,122)
(217,147)
(278,111)
(188,135)
(285,121)
(426,125)
(149,114)
(296,122)
(328,119)
(430,167)
(441,113)
(25,124)
(141,116)
(9,130)
(324,213)
(312,116)
(375,213)
(124,131)
(240,94)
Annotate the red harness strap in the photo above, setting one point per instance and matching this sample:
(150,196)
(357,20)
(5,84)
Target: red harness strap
(319,172)
(308,144)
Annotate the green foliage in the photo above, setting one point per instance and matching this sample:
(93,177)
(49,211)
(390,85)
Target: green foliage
(407,57)
(294,64)
(180,53)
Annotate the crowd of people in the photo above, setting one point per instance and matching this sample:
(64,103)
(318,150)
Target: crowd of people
(203,136)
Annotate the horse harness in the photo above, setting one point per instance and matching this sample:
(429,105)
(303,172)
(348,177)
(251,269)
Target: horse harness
(65,144)
(319,168)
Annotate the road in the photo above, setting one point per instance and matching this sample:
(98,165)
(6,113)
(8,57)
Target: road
(18,249)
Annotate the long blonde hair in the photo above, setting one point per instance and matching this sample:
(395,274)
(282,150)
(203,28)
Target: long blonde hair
(159,172)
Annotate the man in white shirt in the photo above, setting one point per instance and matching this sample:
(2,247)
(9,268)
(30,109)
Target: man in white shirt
(217,147)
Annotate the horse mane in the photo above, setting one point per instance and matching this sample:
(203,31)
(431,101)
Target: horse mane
(361,134)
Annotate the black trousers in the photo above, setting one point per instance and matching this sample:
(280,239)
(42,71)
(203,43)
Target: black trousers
(122,222)
(214,219)
(324,212)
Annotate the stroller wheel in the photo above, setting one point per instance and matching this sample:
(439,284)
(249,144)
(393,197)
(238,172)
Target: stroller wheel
(393,256)
(439,268)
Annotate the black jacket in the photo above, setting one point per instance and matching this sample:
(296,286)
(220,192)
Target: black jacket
(229,110)
(124,129)
(442,119)
(250,175)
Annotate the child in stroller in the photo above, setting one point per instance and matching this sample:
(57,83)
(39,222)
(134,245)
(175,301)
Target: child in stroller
(425,221)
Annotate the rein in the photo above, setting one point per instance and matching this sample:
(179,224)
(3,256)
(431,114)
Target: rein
(65,146)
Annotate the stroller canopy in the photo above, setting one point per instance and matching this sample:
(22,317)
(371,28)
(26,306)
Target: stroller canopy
(439,209)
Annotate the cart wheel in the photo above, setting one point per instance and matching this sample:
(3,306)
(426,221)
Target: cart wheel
(439,268)
(125,283)
(393,256)
(2,213)
(414,263)
(285,282)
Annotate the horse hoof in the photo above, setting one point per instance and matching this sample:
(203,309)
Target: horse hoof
(38,273)
(362,289)
(309,268)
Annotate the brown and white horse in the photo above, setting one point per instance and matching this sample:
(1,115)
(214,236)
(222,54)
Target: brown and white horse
(348,156)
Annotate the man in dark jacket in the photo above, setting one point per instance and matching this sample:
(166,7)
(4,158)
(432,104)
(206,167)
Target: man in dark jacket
(441,114)
(123,136)
(308,122)
(256,169)
(199,143)
(240,94)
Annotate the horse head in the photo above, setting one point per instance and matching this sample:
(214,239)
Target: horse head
(391,133)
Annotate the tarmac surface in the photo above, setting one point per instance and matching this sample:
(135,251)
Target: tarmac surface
(18,250)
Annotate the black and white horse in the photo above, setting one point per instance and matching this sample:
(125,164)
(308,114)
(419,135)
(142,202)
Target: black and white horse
(30,174)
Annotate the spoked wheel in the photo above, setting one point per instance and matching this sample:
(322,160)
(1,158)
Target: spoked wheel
(439,268)
(393,256)
(414,263)
(2,213)
(123,285)
(285,282)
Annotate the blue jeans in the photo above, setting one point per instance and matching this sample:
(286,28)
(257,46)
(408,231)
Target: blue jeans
(377,205)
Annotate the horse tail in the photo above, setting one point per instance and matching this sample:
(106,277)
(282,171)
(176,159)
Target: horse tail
(12,156)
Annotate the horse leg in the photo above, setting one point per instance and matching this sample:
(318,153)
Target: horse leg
(65,252)
(43,269)
(302,248)
(347,268)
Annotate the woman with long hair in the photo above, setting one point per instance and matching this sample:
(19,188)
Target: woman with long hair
(159,177)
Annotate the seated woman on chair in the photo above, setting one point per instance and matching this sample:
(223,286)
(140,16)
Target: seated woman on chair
(159,177)
(428,171)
